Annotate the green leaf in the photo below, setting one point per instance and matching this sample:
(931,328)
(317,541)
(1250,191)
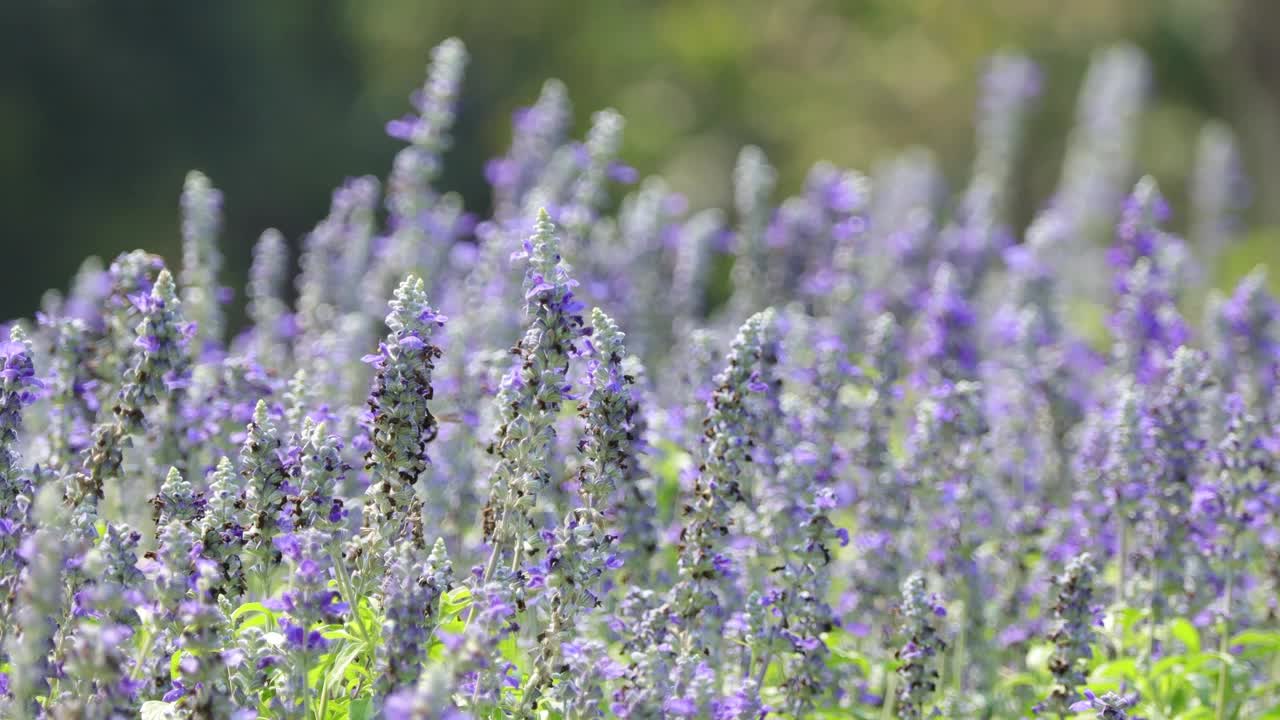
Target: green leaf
(174,661)
(1186,633)
(157,710)
(1249,638)
(361,709)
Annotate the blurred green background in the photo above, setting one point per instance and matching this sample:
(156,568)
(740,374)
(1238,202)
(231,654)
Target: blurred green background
(105,105)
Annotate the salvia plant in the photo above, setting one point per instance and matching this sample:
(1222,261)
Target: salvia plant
(661,462)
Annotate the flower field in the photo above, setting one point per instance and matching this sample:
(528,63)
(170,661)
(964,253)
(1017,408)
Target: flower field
(873,450)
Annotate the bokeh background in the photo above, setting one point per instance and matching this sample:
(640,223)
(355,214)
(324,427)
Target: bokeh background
(104,105)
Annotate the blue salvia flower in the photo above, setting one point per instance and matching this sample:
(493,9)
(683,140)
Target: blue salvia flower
(1178,439)
(753,183)
(609,413)
(529,403)
(176,501)
(428,130)
(481,675)
(635,498)
(800,580)
(222,529)
(266,308)
(947,348)
(1245,337)
(401,424)
(318,502)
(1146,326)
(691,269)
(73,400)
(170,570)
(586,671)
(1109,706)
(883,511)
(18,390)
(731,436)
(1140,234)
(430,698)
(160,366)
(1232,500)
(325,288)
(411,590)
(98,658)
(307,603)
(584,548)
(112,566)
(1072,634)
(921,645)
(264,488)
(905,198)
(203,687)
(131,276)
(38,604)
(201,259)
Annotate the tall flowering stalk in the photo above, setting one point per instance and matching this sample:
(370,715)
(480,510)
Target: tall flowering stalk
(584,548)
(421,222)
(704,565)
(159,367)
(18,388)
(38,604)
(401,423)
(921,644)
(307,603)
(222,528)
(264,492)
(411,590)
(529,403)
(1074,617)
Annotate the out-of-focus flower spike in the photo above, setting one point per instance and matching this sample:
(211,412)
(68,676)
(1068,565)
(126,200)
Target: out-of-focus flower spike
(603,143)
(38,602)
(201,259)
(267,310)
(1219,193)
(753,183)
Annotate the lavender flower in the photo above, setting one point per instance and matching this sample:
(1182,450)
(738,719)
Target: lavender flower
(307,603)
(530,400)
(1073,634)
(264,487)
(159,368)
(222,529)
(1109,707)
(401,423)
(38,604)
(411,590)
(918,674)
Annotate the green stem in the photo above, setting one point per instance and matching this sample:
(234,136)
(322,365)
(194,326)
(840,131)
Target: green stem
(890,696)
(348,594)
(1122,556)
(1220,708)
